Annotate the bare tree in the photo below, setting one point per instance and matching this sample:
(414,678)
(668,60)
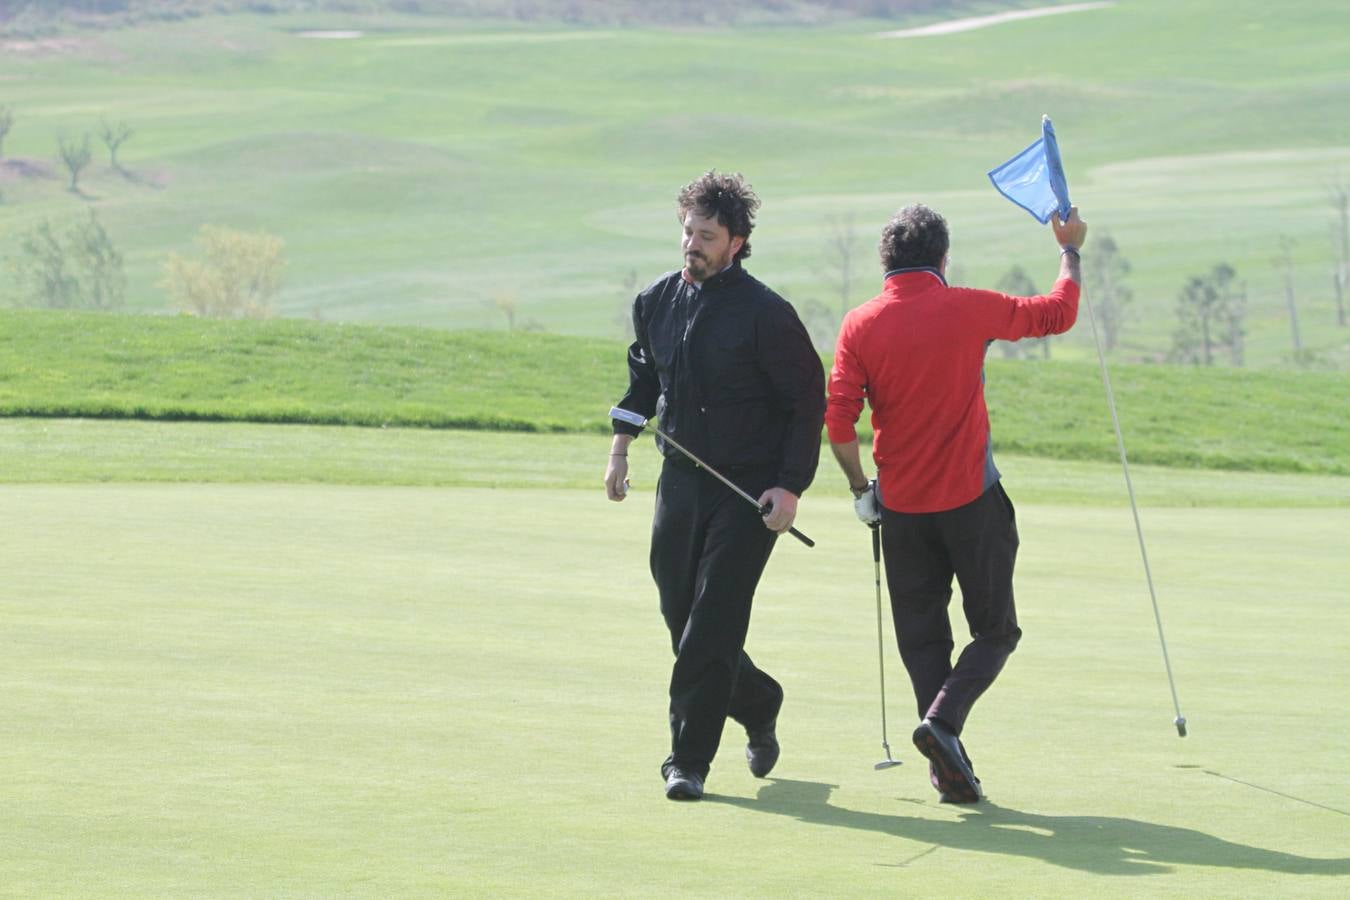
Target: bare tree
(42,272)
(113,135)
(76,155)
(1017,282)
(1231,310)
(624,317)
(843,242)
(1340,276)
(1211,313)
(1191,342)
(821,324)
(69,268)
(1285,261)
(1105,270)
(506,304)
(6,123)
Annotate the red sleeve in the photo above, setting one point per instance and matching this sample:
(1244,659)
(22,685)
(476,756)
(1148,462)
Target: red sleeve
(848,386)
(1011,318)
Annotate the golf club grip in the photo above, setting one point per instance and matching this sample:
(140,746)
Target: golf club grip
(766,508)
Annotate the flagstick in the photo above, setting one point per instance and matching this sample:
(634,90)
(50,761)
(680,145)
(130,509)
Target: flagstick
(1180,720)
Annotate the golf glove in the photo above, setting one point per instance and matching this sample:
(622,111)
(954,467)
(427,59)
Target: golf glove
(868,505)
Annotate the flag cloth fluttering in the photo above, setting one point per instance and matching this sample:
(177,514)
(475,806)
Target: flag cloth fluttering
(1034,178)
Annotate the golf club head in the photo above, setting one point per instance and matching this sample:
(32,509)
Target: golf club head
(624,415)
(1181,726)
(887,763)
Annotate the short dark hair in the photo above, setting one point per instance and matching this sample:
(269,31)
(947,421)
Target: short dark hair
(728,198)
(915,237)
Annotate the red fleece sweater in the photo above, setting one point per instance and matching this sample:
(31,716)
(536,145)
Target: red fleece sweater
(916,353)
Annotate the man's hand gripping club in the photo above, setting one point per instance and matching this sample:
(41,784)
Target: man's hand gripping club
(777,505)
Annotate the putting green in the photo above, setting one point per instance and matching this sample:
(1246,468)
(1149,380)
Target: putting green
(333,690)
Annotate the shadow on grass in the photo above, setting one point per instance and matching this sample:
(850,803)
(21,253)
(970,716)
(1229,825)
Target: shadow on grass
(1100,844)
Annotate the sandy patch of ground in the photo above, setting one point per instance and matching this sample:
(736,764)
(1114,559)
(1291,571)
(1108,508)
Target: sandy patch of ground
(331,35)
(954,26)
(17,169)
(42,46)
(36,48)
(498,37)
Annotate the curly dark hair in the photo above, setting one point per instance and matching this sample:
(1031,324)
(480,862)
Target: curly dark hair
(726,196)
(915,237)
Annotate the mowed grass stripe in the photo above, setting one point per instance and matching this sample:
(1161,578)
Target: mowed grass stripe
(75,451)
(183,368)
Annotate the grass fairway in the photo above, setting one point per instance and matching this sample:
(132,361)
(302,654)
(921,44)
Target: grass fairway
(327,690)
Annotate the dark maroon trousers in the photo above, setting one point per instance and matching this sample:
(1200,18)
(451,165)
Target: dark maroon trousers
(976,544)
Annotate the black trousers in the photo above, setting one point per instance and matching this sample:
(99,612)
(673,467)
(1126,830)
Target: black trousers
(709,548)
(976,543)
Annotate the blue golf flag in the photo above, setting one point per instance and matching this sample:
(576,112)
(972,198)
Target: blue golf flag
(1034,178)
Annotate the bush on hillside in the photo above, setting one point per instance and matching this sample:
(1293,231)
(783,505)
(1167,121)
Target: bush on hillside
(237,277)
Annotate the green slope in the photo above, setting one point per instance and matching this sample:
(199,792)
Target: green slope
(429,167)
(98,365)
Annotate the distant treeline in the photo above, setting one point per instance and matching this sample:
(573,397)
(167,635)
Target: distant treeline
(590,12)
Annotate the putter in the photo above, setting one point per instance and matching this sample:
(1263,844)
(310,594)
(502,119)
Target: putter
(888,762)
(633,418)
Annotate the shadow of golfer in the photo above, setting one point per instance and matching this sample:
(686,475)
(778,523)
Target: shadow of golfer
(1099,844)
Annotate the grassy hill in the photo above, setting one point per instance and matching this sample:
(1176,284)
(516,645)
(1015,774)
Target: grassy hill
(425,168)
(183,368)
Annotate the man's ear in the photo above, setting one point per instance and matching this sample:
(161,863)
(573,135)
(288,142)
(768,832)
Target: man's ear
(736,244)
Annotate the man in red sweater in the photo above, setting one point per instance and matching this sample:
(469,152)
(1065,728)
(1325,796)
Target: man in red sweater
(915,353)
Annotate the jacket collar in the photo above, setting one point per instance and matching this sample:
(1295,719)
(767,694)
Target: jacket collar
(726,276)
(913,275)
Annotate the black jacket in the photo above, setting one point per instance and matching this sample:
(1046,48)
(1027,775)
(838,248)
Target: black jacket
(730,372)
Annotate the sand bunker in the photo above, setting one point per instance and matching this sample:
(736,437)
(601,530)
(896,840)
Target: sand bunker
(331,35)
(957,25)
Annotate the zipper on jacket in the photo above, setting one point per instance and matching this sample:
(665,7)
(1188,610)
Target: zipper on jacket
(690,376)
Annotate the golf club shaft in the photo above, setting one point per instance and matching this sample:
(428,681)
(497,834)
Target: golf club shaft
(763,510)
(881,653)
(1180,720)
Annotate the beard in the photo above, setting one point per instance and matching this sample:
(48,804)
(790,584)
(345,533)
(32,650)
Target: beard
(701,268)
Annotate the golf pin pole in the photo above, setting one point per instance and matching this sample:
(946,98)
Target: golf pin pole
(633,418)
(1180,720)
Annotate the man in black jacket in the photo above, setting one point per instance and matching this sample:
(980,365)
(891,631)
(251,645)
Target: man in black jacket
(729,369)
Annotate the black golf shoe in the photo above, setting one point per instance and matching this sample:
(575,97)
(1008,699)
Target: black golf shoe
(936,781)
(682,785)
(761,750)
(949,769)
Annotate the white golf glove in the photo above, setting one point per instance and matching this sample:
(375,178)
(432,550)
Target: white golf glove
(868,505)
